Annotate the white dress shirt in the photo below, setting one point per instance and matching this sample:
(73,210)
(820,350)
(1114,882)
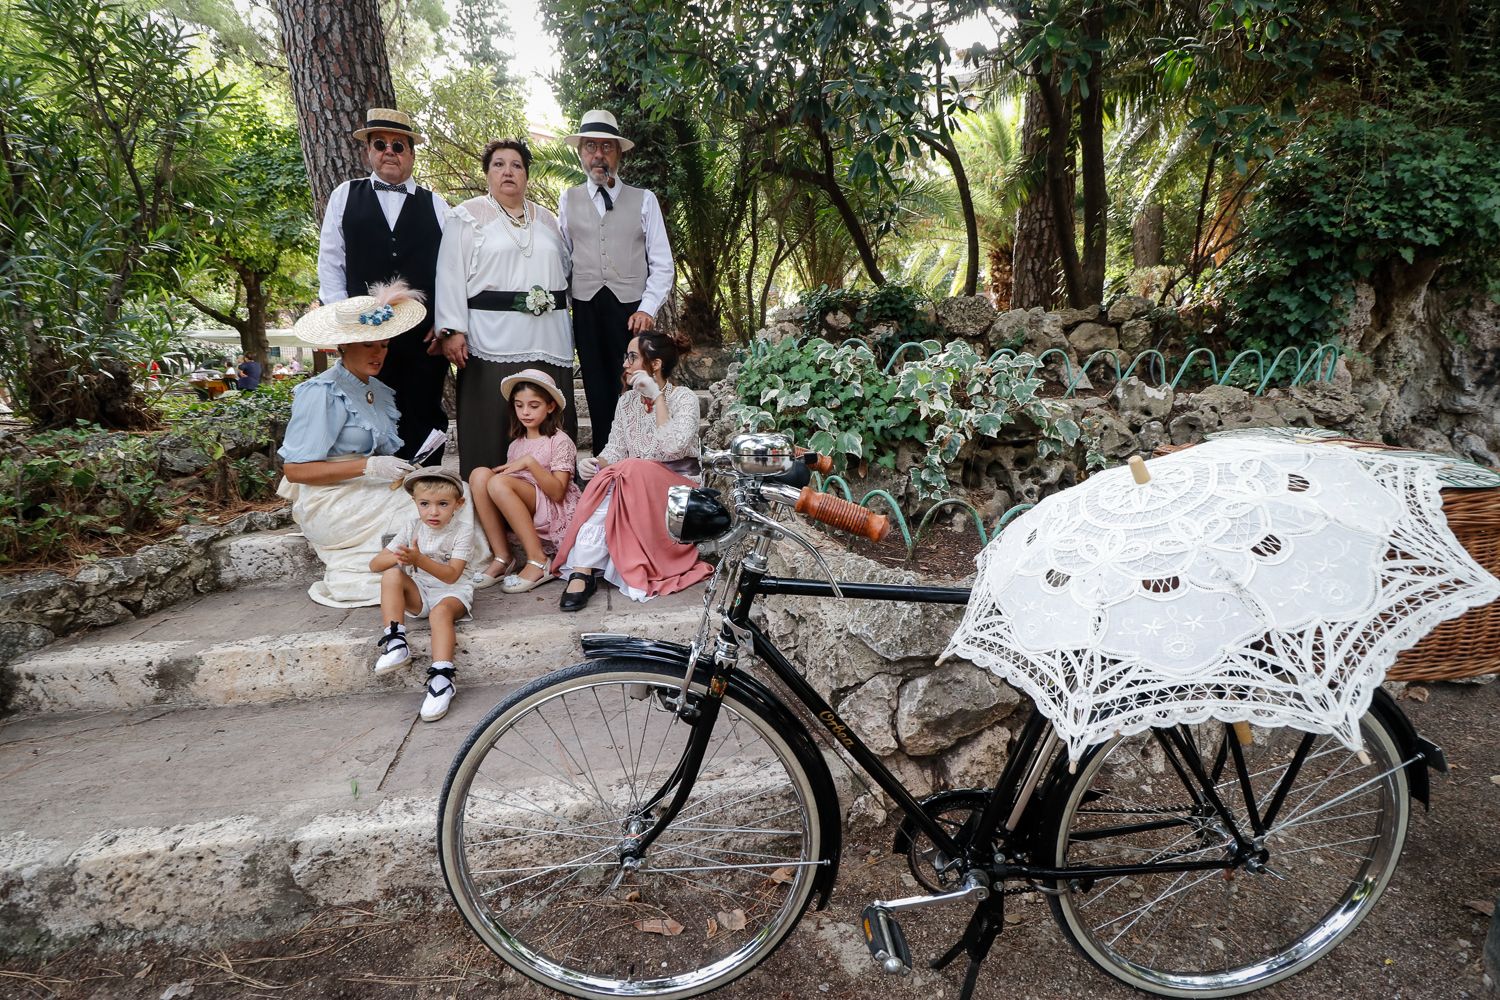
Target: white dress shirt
(333,284)
(659,269)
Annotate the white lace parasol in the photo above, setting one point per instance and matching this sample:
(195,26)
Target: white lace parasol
(1250,580)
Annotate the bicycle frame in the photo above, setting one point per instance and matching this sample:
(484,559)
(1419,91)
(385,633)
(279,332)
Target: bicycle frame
(1014,790)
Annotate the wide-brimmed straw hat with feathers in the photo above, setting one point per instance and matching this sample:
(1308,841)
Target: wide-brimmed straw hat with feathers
(388,310)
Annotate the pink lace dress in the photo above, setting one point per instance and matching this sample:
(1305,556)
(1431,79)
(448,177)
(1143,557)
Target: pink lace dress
(559,454)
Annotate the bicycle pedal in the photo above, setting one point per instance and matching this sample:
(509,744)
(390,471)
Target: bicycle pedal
(886,940)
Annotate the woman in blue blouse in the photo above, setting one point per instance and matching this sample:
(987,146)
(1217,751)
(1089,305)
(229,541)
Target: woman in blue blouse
(339,449)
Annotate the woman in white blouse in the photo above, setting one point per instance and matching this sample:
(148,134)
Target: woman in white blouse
(619,528)
(501,301)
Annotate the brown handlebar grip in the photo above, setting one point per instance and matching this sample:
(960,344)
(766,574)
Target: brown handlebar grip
(842,514)
(824,464)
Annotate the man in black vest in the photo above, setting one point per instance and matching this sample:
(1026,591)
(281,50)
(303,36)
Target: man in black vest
(380,228)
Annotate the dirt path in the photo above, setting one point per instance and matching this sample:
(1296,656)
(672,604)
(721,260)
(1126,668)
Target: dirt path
(1423,941)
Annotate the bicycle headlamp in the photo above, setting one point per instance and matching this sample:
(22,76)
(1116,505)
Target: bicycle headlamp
(695,514)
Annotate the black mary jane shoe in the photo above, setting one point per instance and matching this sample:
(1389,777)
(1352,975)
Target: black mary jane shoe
(571,601)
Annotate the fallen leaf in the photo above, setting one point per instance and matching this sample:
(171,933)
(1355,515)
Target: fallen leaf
(178,990)
(1417,694)
(144,969)
(665,926)
(1485,907)
(734,920)
(633,896)
(713,927)
(1495,779)
(781,875)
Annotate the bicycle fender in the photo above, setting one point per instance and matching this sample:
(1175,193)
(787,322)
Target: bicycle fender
(1411,746)
(605,645)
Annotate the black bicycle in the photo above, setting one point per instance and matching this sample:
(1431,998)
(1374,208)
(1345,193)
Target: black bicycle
(654,821)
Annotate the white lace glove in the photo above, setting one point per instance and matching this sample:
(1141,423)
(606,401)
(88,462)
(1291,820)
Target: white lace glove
(588,467)
(645,385)
(387,468)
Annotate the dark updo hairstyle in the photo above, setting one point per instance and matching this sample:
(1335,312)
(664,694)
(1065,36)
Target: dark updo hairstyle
(494,146)
(551,423)
(657,346)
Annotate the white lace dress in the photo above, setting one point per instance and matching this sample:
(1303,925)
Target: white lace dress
(483,252)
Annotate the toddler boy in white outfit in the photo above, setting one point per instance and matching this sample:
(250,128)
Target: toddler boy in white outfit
(422,574)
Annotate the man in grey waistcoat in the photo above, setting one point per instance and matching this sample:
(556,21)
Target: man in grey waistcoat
(622,263)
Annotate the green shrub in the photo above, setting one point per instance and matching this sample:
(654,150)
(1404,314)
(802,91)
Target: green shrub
(63,492)
(901,310)
(837,400)
(1348,197)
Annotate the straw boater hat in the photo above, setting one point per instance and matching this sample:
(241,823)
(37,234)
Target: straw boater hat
(598,124)
(431,474)
(541,378)
(389,120)
(387,311)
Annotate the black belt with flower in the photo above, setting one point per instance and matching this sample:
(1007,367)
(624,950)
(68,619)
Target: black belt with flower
(511,301)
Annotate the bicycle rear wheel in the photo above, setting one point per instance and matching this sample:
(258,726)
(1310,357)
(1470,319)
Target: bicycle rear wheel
(548,789)
(1332,848)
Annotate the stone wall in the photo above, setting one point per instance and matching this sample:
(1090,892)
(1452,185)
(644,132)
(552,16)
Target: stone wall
(38,608)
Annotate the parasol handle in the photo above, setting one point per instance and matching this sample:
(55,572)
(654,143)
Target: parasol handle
(1138,469)
(839,513)
(1242,731)
(814,461)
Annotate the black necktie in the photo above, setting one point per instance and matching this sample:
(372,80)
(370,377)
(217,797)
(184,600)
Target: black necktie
(608,201)
(383,186)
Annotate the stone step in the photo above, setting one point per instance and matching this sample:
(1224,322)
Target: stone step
(204,823)
(268,644)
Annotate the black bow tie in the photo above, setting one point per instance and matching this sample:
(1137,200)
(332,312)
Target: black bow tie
(383,186)
(609,203)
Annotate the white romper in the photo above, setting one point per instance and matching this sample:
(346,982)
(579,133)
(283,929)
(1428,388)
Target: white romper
(454,541)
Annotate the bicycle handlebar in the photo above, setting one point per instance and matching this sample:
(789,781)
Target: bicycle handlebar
(831,510)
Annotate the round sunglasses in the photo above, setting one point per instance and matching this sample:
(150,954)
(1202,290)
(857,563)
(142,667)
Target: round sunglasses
(397,146)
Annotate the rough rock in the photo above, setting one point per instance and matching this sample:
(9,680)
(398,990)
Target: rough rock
(977,761)
(1136,335)
(702,367)
(1029,331)
(1128,307)
(968,316)
(1111,435)
(1072,317)
(1139,402)
(953,701)
(868,712)
(1087,338)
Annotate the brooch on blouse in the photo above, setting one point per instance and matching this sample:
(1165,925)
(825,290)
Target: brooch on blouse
(370,397)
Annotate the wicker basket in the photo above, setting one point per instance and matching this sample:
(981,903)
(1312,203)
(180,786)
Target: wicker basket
(1468,645)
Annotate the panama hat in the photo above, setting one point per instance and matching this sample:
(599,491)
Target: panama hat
(389,310)
(541,378)
(598,124)
(389,120)
(434,474)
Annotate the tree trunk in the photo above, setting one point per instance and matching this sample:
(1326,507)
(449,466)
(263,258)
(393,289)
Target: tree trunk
(336,57)
(253,339)
(1091,156)
(1146,235)
(1034,256)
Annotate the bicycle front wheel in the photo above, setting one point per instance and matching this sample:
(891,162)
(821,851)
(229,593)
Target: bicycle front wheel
(542,800)
(1331,847)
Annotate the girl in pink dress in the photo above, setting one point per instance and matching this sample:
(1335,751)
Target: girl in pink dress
(533,494)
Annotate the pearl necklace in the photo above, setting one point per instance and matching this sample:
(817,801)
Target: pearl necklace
(527,215)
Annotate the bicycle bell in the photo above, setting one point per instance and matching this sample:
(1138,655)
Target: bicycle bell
(761,454)
(696,514)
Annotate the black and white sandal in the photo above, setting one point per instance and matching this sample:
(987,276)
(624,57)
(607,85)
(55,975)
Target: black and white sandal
(393,648)
(440,691)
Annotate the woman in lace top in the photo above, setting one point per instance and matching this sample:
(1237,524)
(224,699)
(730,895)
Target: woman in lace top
(501,302)
(619,530)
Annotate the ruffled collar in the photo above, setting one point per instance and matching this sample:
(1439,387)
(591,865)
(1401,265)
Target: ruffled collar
(371,405)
